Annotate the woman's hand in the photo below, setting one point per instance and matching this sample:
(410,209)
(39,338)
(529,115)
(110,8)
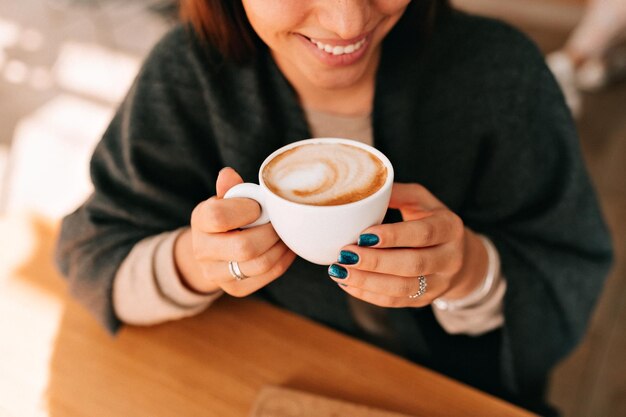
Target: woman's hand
(202,252)
(431,241)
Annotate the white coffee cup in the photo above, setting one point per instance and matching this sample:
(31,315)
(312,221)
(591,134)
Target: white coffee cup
(317,233)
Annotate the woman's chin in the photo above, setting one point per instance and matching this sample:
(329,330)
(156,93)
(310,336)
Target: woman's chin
(335,80)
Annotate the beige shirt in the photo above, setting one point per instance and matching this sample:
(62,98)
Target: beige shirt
(148,290)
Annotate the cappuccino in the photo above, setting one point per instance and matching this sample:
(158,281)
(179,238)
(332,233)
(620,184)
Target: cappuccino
(325,174)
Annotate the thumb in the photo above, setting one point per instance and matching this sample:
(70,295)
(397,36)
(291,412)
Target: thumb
(226,179)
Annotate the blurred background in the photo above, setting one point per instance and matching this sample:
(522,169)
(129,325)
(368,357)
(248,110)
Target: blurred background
(66,64)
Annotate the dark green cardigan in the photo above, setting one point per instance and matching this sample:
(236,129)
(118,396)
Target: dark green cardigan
(472,113)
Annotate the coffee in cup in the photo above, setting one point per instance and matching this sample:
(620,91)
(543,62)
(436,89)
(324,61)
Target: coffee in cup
(325,174)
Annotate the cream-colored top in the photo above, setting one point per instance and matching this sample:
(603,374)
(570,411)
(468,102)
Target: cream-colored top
(147,289)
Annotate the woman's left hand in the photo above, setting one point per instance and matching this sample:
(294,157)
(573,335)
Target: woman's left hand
(431,242)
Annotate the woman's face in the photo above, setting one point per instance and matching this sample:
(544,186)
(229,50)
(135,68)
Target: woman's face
(330,44)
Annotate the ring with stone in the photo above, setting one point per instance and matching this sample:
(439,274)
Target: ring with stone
(422,287)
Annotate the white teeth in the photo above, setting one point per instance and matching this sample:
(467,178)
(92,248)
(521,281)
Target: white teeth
(339,50)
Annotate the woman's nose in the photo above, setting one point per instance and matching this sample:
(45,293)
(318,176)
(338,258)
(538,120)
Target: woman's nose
(346,18)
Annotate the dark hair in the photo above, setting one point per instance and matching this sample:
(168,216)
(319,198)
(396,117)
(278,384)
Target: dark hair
(225,26)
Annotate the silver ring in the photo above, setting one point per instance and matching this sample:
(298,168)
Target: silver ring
(233,267)
(422,287)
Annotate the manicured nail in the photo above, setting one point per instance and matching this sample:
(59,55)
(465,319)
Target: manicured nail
(342,284)
(337,271)
(347,258)
(368,239)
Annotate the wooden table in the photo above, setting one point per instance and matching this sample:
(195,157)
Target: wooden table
(55,360)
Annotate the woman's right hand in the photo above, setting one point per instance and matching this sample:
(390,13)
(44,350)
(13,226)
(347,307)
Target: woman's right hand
(203,251)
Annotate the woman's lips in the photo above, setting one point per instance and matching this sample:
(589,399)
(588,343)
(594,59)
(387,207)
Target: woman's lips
(337,53)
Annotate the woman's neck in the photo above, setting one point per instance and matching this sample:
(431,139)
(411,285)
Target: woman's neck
(349,102)
(354,100)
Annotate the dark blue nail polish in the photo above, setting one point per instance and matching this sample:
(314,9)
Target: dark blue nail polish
(368,239)
(342,284)
(337,271)
(347,258)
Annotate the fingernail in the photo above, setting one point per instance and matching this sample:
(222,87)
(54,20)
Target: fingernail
(342,284)
(337,271)
(368,239)
(347,258)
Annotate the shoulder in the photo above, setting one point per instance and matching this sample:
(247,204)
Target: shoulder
(176,41)
(487,39)
(180,57)
(185,61)
(493,62)
(485,50)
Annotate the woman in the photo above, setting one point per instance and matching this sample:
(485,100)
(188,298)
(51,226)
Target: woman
(485,155)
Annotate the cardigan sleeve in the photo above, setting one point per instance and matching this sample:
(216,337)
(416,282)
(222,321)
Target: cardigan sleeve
(534,200)
(155,162)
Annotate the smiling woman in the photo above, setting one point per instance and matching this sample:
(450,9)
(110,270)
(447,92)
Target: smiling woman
(294,32)
(225,24)
(321,47)
(480,255)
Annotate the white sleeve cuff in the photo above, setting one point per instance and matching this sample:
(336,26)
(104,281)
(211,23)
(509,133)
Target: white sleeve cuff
(477,320)
(482,310)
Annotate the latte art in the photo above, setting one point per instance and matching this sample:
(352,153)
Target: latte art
(325,174)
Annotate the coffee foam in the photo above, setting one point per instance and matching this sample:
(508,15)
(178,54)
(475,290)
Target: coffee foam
(325,174)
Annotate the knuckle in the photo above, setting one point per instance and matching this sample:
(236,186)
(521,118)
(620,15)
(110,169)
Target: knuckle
(279,267)
(456,225)
(453,223)
(215,218)
(276,271)
(243,248)
(417,265)
(386,237)
(428,232)
(454,267)
(262,264)
(372,262)
(457,262)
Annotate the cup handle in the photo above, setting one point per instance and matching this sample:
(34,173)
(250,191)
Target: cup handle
(254,192)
